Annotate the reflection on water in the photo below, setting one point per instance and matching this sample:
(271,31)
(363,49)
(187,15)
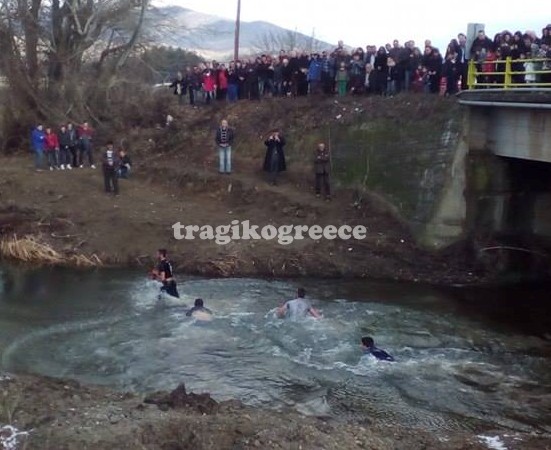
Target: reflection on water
(466,359)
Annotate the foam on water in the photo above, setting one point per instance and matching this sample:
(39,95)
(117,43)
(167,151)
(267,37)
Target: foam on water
(492,442)
(11,437)
(450,373)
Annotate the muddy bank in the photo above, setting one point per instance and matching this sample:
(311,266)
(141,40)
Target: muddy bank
(64,218)
(63,414)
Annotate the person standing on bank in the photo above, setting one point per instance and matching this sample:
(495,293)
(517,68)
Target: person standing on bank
(73,142)
(165,275)
(322,165)
(65,156)
(110,164)
(85,134)
(38,142)
(274,161)
(52,149)
(224,141)
(180,87)
(125,164)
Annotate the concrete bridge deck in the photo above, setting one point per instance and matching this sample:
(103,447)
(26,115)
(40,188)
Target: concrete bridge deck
(514,123)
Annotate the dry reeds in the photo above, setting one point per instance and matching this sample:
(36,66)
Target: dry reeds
(28,249)
(85,261)
(224,267)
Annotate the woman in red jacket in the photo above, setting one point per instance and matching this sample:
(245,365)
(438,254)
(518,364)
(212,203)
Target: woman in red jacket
(52,149)
(209,83)
(489,67)
(222,82)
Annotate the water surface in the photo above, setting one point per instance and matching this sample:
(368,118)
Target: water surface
(466,359)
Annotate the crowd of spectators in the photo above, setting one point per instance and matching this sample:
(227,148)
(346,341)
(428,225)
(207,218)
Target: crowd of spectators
(66,148)
(386,70)
(71,147)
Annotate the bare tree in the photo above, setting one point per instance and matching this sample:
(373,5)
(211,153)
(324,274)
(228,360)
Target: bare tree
(45,45)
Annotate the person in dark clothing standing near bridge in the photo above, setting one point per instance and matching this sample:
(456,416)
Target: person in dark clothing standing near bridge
(165,275)
(322,165)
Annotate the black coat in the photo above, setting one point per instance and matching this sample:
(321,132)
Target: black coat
(275,146)
(179,84)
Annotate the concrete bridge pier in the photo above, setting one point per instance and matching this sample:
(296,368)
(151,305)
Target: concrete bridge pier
(508,170)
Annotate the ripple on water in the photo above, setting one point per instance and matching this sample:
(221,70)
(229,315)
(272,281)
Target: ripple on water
(451,373)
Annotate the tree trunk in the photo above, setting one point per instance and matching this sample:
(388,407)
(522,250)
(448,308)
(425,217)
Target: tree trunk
(29,17)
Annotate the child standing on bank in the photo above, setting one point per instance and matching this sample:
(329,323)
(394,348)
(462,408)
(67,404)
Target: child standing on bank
(342,78)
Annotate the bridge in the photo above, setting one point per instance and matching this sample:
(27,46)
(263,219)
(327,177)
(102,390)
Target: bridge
(514,123)
(500,186)
(507,169)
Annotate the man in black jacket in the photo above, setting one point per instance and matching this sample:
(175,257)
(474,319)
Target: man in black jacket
(274,160)
(322,166)
(180,87)
(65,155)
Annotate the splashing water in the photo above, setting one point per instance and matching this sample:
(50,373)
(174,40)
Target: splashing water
(454,370)
(11,437)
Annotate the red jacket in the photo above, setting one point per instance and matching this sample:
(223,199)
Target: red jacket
(489,63)
(209,82)
(85,132)
(52,142)
(222,79)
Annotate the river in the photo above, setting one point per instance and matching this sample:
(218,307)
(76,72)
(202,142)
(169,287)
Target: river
(466,358)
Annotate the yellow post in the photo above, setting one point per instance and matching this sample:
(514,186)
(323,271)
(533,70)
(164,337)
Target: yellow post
(508,74)
(471,74)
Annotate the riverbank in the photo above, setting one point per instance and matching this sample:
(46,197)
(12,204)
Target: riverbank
(65,218)
(65,415)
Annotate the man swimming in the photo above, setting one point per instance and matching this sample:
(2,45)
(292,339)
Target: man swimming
(368,348)
(198,306)
(199,311)
(298,307)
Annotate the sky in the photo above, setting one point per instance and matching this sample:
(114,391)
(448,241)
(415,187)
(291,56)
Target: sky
(362,22)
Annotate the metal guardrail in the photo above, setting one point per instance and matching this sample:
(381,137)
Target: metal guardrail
(509,77)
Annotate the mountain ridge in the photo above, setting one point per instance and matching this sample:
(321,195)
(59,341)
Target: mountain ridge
(212,36)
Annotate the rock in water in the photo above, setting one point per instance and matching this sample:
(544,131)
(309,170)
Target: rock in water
(179,398)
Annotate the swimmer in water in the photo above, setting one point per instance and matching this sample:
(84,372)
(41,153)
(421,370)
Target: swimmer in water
(199,310)
(164,273)
(298,307)
(368,348)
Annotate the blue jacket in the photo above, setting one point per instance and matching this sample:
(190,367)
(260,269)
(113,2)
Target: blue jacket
(38,140)
(314,70)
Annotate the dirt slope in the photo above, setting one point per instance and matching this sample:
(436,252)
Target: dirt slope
(176,180)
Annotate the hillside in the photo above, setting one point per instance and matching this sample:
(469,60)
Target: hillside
(213,37)
(176,180)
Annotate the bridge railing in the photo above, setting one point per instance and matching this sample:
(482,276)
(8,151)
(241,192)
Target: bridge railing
(509,73)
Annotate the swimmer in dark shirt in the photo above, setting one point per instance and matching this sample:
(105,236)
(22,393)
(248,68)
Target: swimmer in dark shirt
(164,274)
(368,348)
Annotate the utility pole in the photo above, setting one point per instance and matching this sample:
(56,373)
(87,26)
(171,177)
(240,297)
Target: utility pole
(237,24)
